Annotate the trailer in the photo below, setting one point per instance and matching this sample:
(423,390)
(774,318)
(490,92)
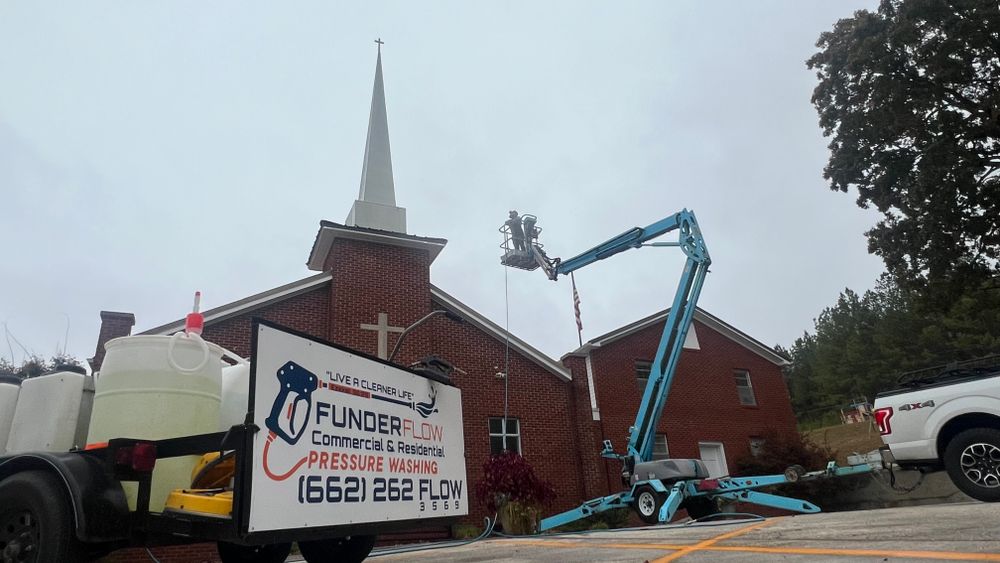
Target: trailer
(336,448)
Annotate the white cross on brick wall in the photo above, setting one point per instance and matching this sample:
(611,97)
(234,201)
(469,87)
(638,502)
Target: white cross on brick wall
(383,329)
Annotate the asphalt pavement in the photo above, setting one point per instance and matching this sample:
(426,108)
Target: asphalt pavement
(947,532)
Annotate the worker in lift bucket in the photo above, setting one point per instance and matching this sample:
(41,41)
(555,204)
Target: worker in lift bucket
(516,232)
(530,231)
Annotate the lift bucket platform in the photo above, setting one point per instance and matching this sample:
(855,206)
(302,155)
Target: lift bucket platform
(521,254)
(520,259)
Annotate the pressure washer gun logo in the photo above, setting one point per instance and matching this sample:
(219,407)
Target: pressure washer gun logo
(290,411)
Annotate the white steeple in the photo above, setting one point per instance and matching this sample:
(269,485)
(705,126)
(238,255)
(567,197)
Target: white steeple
(375,207)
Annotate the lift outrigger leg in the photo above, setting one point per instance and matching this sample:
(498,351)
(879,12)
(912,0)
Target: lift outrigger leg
(738,489)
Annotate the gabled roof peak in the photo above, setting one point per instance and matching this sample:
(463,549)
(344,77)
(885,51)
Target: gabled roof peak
(700,315)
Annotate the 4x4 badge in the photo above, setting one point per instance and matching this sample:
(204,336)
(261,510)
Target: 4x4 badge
(911,406)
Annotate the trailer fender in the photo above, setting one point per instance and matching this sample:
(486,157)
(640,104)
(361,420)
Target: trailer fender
(656,484)
(98,500)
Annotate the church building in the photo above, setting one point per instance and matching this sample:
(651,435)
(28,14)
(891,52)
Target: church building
(369,279)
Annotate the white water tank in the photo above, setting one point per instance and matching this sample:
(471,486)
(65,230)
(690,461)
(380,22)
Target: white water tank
(157,387)
(235,395)
(52,413)
(9,389)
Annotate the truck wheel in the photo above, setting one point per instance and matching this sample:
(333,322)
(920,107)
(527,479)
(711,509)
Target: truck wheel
(700,507)
(352,549)
(36,521)
(647,503)
(972,459)
(235,553)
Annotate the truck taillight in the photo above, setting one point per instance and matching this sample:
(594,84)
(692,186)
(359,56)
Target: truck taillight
(882,417)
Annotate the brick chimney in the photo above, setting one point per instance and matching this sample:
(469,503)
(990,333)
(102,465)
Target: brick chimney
(113,325)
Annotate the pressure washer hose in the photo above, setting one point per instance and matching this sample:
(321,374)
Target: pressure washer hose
(267,470)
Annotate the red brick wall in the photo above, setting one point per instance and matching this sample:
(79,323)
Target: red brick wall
(596,479)
(308,313)
(703,404)
(369,279)
(541,401)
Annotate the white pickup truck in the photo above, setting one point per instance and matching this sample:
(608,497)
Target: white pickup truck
(948,420)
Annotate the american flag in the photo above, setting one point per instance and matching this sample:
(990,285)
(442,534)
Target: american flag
(576,309)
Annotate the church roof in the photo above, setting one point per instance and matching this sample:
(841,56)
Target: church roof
(287,291)
(247,304)
(477,319)
(700,315)
(328,231)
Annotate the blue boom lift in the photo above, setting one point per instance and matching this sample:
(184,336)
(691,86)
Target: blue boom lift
(656,489)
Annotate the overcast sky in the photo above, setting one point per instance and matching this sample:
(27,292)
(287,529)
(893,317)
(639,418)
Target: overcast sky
(151,149)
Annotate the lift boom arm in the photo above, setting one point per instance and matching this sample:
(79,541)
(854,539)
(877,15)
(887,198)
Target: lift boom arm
(668,353)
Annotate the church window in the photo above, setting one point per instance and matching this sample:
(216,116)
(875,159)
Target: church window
(744,388)
(497,435)
(642,368)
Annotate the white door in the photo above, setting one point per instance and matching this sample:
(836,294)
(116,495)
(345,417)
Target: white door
(714,456)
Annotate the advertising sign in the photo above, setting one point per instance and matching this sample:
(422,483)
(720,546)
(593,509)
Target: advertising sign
(346,439)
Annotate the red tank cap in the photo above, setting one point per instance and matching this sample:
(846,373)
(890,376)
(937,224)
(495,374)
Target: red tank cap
(195,321)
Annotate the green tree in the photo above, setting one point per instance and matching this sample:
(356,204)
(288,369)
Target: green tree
(863,343)
(801,375)
(910,95)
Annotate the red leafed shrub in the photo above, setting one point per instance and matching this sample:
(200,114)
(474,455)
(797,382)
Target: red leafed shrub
(509,477)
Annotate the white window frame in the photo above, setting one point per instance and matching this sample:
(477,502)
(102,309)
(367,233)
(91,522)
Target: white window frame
(504,427)
(722,457)
(642,365)
(748,387)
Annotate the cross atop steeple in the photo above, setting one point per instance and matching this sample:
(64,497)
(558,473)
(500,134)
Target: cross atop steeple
(376,207)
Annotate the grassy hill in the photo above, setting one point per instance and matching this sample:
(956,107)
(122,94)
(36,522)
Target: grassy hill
(846,439)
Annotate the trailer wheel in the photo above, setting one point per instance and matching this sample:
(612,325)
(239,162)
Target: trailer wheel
(36,521)
(235,553)
(972,459)
(700,507)
(647,503)
(794,473)
(352,549)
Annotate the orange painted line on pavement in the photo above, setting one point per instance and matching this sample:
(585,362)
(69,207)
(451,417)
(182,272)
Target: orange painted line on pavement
(687,549)
(939,555)
(575,544)
(790,550)
(715,539)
